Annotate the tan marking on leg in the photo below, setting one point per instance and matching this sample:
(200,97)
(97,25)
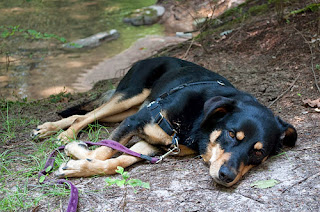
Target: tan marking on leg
(89,167)
(211,145)
(258,145)
(240,135)
(184,151)
(120,116)
(156,135)
(114,106)
(50,128)
(101,153)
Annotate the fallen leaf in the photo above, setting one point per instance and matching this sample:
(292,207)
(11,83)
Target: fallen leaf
(264,183)
(312,103)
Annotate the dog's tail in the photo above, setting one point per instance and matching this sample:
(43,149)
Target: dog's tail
(87,106)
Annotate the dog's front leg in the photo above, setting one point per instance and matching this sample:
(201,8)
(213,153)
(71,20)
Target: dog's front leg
(89,167)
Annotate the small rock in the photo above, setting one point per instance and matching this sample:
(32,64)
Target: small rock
(92,41)
(225,32)
(199,22)
(184,35)
(145,16)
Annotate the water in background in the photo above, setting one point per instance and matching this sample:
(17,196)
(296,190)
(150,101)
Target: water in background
(39,67)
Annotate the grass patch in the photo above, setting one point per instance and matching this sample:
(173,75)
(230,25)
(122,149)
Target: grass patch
(21,158)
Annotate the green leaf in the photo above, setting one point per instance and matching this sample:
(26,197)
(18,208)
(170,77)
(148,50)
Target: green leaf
(48,169)
(264,183)
(125,175)
(62,39)
(120,170)
(145,185)
(5,34)
(42,178)
(111,181)
(120,182)
(134,182)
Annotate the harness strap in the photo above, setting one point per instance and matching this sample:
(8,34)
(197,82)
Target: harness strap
(158,118)
(155,110)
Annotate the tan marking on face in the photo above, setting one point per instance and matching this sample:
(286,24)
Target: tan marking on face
(240,135)
(219,157)
(211,145)
(221,110)
(289,131)
(156,135)
(258,145)
(242,171)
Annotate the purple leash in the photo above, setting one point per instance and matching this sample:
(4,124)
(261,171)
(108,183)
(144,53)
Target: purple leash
(117,146)
(74,194)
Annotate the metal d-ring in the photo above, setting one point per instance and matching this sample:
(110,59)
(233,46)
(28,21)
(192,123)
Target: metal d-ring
(175,150)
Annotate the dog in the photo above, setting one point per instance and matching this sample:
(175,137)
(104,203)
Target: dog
(172,103)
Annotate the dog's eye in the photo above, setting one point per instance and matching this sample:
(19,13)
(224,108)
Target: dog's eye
(232,134)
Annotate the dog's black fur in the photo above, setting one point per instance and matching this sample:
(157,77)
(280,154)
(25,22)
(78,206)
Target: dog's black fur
(198,110)
(229,128)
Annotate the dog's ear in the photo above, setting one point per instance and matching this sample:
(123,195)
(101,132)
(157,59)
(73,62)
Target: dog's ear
(289,133)
(216,108)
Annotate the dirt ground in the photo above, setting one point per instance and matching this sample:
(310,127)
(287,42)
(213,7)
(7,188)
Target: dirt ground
(272,61)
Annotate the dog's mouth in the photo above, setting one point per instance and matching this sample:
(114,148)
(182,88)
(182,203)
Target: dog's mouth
(228,176)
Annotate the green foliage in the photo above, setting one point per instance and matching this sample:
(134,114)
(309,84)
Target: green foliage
(259,9)
(311,7)
(59,97)
(96,132)
(9,31)
(264,184)
(125,181)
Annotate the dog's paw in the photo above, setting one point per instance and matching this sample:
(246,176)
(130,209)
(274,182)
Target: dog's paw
(76,168)
(65,137)
(77,150)
(44,130)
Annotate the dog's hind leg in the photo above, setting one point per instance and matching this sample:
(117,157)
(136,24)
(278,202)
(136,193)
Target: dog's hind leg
(123,133)
(116,109)
(117,105)
(90,167)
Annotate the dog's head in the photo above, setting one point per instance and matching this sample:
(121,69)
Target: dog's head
(242,134)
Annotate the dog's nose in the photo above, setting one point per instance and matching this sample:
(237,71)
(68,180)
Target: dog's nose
(226,175)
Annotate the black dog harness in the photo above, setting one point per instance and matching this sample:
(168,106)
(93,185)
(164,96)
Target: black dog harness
(155,110)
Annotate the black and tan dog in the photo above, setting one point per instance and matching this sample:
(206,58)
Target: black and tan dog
(229,128)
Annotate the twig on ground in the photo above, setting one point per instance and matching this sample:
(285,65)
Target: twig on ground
(312,65)
(301,181)
(281,95)
(248,197)
(306,148)
(185,54)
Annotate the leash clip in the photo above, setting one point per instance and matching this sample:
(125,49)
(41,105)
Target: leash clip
(174,150)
